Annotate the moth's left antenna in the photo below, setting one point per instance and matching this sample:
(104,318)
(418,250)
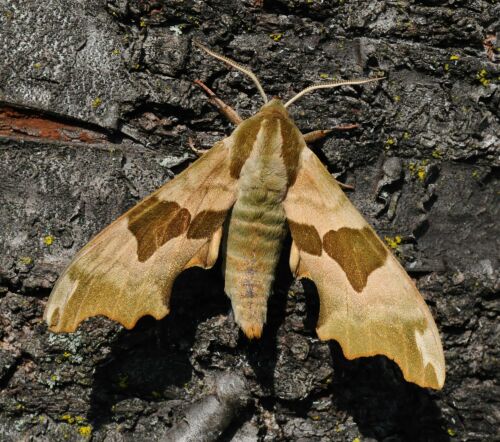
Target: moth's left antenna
(235,65)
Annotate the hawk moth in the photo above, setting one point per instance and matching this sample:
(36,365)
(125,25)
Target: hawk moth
(253,187)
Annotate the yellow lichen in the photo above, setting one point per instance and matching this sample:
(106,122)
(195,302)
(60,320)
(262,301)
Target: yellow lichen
(436,154)
(421,173)
(48,240)
(26,260)
(397,98)
(116,52)
(446,67)
(143,23)
(83,428)
(406,135)
(96,102)
(66,354)
(37,65)
(389,142)
(68,418)
(276,36)
(323,76)
(356,439)
(482,76)
(316,417)
(418,170)
(393,243)
(85,431)
(451,432)
(454,57)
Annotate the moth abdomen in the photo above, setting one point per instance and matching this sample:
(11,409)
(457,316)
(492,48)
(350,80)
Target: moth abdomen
(255,238)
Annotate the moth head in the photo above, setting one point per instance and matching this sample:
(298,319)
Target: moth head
(275,106)
(250,74)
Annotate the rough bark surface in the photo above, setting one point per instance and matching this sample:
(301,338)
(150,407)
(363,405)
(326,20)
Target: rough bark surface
(97,108)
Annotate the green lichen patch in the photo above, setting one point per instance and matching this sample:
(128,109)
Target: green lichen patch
(26,260)
(122,382)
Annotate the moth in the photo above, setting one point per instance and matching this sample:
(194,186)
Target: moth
(251,188)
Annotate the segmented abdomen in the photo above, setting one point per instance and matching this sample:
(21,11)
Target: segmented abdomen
(256,231)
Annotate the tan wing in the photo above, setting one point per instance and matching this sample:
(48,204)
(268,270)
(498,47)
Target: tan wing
(368,303)
(128,269)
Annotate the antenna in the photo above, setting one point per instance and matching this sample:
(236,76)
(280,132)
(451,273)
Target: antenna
(235,65)
(330,84)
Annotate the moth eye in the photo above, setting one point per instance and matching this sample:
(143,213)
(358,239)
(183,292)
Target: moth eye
(54,319)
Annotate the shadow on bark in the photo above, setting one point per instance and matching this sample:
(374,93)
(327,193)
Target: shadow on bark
(152,361)
(262,353)
(374,392)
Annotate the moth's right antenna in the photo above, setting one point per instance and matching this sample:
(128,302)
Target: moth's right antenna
(235,65)
(330,84)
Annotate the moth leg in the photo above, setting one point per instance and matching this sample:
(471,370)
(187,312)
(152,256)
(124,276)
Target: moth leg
(223,108)
(316,135)
(197,151)
(345,186)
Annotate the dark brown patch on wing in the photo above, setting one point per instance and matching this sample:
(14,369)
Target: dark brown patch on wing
(358,251)
(244,138)
(291,149)
(206,223)
(306,238)
(155,222)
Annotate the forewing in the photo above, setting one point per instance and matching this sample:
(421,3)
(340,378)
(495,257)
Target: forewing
(368,303)
(127,271)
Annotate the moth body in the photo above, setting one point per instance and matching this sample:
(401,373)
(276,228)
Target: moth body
(257,223)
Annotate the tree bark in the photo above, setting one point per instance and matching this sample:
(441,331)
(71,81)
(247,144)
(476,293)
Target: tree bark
(97,106)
